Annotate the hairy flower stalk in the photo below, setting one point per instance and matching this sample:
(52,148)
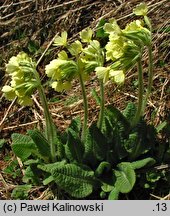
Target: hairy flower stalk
(150,76)
(102,101)
(85,104)
(139,111)
(150,81)
(93,55)
(50,128)
(64,69)
(141,10)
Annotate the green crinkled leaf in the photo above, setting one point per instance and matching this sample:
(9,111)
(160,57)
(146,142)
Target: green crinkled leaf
(114,194)
(115,129)
(130,111)
(96,96)
(115,115)
(48,180)
(103,167)
(94,145)
(32,161)
(76,124)
(141,163)
(75,180)
(41,142)
(153,176)
(125,177)
(107,188)
(48,167)
(22,145)
(131,143)
(21,192)
(73,148)
(32,175)
(108,129)
(60,151)
(140,141)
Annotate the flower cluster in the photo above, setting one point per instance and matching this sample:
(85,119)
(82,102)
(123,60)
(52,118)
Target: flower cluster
(23,82)
(125,46)
(83,60)
(78,59)
(61,71)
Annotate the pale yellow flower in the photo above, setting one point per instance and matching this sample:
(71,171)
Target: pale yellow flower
(103,73)
(61,40)
(9,92)
(86,35)
(52,70)
(141,9)
(57,86)
(115,48)
(117,75)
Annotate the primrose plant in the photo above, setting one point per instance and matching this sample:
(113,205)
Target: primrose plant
(80,63)
(24,80)
(124,50)
(78,164)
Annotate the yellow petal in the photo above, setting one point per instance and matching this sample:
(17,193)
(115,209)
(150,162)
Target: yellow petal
(9,92)
(75,48)
(141,9)
(103,73)
(61,40)
(63,55)
(86,35)
(52,70)
(57,86)
(118,76)
(25,101)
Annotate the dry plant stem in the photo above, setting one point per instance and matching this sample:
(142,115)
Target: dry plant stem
(15,4)
(7,112)
(21,125)
(41,57)
(140,95)
(101,114)
(50,129)
(61,5)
